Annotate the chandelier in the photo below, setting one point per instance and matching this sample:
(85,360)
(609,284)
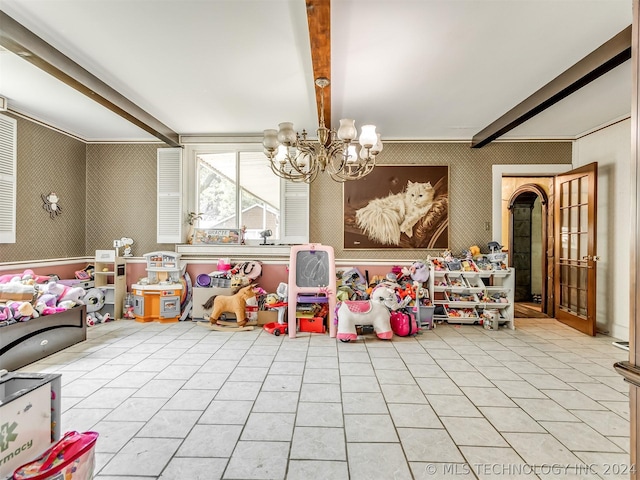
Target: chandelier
(294,157)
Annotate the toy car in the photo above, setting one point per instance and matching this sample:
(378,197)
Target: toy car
(277,328)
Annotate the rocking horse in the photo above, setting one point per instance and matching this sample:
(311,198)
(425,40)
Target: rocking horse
(235,304)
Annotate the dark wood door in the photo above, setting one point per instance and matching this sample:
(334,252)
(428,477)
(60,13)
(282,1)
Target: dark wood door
(575,229)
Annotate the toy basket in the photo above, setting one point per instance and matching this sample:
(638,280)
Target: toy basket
(71,458)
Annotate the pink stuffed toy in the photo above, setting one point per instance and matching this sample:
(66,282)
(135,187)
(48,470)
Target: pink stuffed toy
(5,314)
(30,275)
(8,277)
(24,276)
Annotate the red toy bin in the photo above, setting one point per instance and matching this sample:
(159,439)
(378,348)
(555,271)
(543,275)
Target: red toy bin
(312,325)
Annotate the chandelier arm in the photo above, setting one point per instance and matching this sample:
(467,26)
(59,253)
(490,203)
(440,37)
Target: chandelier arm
(337,156)
(293,163)
(361,171)
(282,173)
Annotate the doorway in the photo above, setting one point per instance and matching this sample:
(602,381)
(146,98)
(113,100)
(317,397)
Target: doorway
(528,250)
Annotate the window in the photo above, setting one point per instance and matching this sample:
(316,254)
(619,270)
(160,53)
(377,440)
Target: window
(238,189)
(232,186)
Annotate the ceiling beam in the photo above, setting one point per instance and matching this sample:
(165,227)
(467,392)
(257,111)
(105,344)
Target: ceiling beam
(319,20)
(24,43)
(609,55)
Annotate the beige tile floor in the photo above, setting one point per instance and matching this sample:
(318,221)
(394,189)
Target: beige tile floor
(178,401)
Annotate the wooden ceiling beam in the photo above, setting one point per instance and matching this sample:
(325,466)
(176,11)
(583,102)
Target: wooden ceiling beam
(609,55)
(319,21)
(18,39)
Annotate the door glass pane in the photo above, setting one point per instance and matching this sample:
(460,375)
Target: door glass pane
(564,274)
(572,281)
(582,280)
(584,190)
(582,250)
(575,191)
(573,299)
(565,245)
(564,196)
(582,306)
(573,219)
(573,253)
(584,218)
(564,296)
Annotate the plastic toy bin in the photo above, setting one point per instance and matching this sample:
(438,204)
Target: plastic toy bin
(30,414)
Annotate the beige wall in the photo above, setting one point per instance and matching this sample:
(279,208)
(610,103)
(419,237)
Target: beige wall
(611,148)
(121,193)
(48,162)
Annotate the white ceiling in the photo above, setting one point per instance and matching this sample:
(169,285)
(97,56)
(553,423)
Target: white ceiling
(418,69)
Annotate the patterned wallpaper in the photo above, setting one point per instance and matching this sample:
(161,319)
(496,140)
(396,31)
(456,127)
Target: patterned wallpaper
(48,162)
(121,196)
(470,196)
(119,191)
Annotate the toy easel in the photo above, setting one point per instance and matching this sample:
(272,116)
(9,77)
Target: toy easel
(312,270)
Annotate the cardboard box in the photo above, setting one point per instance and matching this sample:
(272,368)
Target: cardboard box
(267,316)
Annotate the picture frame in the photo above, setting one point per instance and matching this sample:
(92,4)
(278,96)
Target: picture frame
(377,214)
(217,236)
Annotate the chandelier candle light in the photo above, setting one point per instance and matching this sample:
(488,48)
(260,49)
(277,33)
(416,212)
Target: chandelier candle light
(294,157)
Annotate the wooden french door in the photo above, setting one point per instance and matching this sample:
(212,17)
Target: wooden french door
(575,231)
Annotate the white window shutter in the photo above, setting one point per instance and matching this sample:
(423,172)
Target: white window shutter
(295,212)
(8,184)
(169,195)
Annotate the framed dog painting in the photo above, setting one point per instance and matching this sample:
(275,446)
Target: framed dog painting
(398,206)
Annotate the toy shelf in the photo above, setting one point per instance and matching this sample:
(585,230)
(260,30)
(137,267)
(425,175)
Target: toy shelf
(465,292)
(110,276)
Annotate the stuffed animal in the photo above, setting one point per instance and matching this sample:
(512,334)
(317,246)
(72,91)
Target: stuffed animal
(30,275)
(25,277)
(63,292)
(271,299)
(419,272)
(67,304)
(27,311)
(5,314)
(51,310)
